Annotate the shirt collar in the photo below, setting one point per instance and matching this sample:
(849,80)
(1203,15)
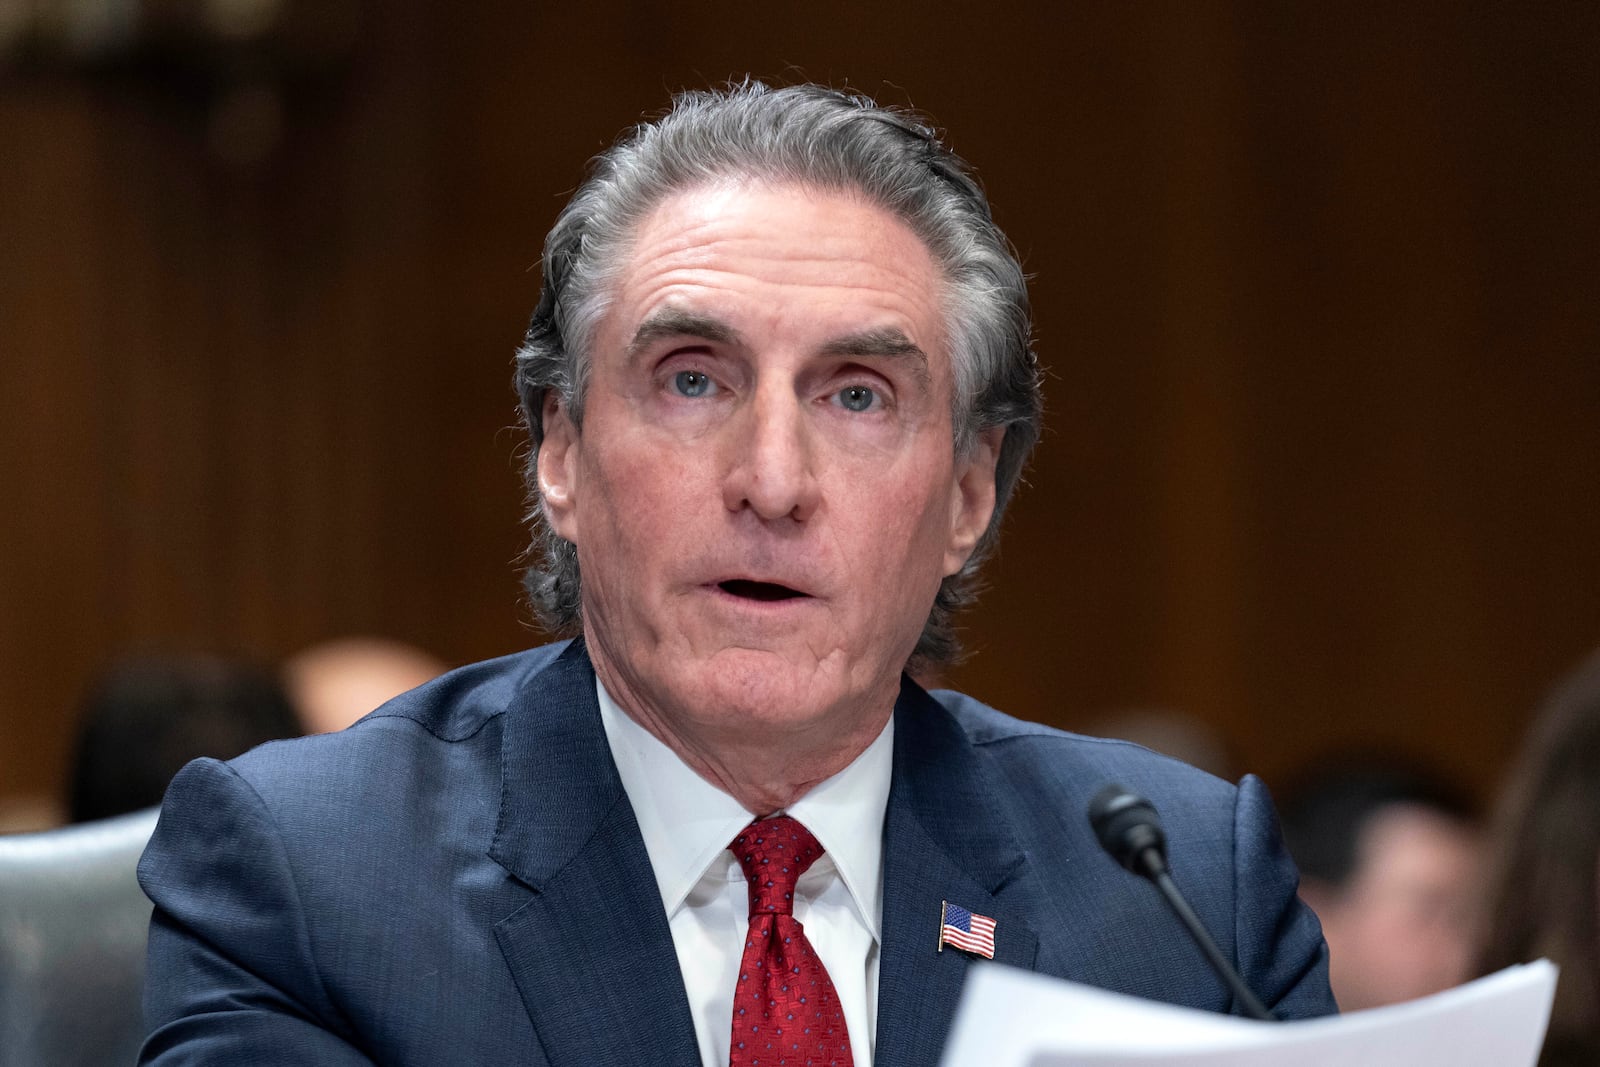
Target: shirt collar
(687,822)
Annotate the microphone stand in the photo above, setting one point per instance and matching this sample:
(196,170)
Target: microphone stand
(1130,830)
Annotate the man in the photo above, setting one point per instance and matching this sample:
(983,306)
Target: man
(779,388)
(1392,862)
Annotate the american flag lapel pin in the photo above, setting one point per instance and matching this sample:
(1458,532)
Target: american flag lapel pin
(965,930)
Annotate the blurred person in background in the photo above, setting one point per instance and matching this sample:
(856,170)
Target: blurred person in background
(334,683)
(1390,861)
(144,718)
(1544,887)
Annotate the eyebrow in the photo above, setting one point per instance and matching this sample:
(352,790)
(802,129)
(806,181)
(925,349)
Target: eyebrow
(863,344)
(888,342)
(675,322)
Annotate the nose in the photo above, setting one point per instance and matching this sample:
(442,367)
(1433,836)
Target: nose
(772,465)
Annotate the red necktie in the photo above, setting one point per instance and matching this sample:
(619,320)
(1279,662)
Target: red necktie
(786,1012)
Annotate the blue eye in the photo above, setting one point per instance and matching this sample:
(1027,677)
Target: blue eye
(691,383)
(857,398)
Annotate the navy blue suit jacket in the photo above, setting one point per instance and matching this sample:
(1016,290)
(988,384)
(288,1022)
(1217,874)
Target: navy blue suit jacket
(459,878)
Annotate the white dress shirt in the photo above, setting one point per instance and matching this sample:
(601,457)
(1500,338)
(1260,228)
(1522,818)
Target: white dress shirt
(687,824)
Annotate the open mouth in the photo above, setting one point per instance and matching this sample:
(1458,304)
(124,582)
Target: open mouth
(765,591)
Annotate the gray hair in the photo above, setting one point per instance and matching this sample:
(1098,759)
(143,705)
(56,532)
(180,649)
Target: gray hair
(824,139)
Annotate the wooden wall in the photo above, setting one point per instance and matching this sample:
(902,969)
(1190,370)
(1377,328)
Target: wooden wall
(1316,289)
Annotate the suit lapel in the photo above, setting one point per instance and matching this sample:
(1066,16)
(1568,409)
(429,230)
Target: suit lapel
(591,952)
(945,838)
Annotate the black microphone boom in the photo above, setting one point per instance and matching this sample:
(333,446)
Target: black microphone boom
(1130,830)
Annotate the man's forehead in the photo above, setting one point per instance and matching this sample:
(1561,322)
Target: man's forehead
(868,284)
(696,216)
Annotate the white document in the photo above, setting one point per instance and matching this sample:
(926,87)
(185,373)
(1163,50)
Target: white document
(1012,1018)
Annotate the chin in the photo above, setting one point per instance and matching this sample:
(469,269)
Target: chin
(769,686)
(764,687)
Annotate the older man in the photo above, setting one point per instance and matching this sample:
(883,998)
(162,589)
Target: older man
(779,389)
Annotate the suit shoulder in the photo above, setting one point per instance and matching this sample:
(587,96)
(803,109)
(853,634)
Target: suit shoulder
(458,703)
(452,709)
(1062,755)
(985,725)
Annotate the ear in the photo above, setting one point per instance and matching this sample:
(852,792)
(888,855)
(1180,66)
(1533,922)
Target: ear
(558,469)
(972,498)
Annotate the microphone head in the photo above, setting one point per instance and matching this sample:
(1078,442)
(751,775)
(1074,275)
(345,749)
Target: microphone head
(1129,829)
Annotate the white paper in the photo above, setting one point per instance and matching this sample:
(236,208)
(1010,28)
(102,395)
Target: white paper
(1012,1018)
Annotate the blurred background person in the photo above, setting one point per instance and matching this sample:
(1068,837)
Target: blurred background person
(334,683)
(1390,860)
(1544,897)
(146,717)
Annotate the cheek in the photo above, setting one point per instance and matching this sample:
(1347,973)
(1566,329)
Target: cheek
(902,534)
(637,506)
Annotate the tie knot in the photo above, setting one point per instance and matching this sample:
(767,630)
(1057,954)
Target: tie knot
(774,854)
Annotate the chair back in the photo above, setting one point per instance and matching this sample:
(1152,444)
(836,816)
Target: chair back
(73,925)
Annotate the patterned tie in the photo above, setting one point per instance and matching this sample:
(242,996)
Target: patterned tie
(786,1012)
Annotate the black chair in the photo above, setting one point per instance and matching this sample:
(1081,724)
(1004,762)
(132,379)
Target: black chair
(73,924)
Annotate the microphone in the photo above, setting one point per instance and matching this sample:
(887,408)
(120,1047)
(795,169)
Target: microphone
(1130,830)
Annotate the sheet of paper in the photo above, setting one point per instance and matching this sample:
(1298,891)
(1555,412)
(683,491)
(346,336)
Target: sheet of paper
(1012,1018)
